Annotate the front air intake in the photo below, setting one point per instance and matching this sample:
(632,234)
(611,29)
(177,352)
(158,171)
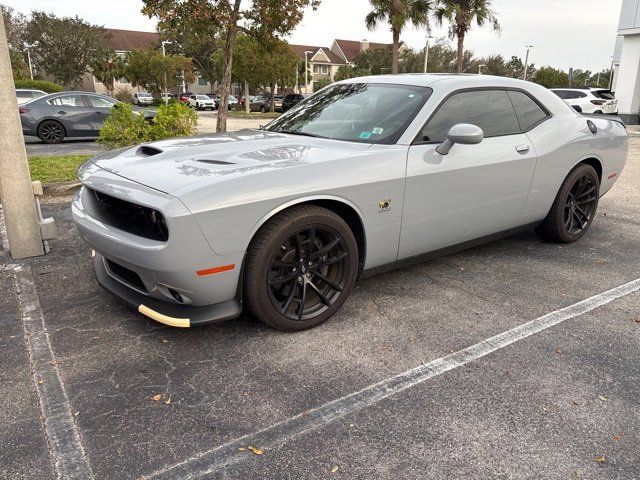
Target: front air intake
(147,151)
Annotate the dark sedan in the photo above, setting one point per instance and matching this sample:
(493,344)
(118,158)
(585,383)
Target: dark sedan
(57,116)
(292,100)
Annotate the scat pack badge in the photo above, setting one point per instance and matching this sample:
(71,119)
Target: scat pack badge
(384,205)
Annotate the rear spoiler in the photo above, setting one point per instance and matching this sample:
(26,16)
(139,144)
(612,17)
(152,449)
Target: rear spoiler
(613,118)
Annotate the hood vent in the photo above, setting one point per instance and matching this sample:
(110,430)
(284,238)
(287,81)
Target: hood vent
(148,151)
(214,162)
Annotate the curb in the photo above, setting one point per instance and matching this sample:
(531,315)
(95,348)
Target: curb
(58,189)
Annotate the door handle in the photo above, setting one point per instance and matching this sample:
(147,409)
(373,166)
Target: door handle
(523,148)
(62,112)
(98,113)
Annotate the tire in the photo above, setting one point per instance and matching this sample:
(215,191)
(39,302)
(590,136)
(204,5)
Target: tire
(262,109)
(599,112)
(574,208)
(288,285)
(51,132)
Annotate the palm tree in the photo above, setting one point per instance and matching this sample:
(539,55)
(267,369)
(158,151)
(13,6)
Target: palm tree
(460,15)
(397,13)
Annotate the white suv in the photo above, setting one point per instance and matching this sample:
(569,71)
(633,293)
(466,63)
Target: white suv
(590,100)
(26,94)
(201,102)
(142,98)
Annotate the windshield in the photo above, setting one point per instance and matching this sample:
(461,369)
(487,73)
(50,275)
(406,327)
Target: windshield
(357,112)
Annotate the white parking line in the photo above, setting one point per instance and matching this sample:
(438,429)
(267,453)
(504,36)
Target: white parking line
(66,450)
(227,454)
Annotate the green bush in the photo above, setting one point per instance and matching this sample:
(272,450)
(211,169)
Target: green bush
(125,126)
(174,120)
(43,85)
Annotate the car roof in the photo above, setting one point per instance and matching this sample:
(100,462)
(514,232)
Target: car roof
(28,90)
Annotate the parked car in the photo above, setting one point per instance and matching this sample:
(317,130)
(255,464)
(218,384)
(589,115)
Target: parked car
(184,97)
(283,220)
(26,95)
(243,100)
(142,98)
(292,99)
(201,102)
(56,116)
(167,96)
(262,103)
(590,100)
(233,101)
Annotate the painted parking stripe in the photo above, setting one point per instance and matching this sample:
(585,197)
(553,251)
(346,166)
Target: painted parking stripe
(67,453)
(228,454)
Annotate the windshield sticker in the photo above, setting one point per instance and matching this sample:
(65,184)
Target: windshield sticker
(377,131)
(365,135)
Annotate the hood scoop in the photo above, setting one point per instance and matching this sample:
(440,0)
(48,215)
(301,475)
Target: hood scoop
(147,151)
(214,162)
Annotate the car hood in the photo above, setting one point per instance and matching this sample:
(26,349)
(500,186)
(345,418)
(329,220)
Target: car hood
(180,165)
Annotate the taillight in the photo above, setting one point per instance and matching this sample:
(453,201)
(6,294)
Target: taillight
(598,102)
(24,110)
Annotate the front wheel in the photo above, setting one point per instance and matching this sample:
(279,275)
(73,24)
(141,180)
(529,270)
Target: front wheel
(574,207)
(300,268)
(51,131)
(263,110)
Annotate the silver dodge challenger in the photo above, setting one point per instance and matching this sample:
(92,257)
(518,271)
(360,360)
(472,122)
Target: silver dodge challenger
(366,174)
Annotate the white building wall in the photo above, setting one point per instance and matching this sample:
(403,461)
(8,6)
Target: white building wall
(627,75)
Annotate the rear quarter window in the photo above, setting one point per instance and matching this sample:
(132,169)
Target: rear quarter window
(529,113)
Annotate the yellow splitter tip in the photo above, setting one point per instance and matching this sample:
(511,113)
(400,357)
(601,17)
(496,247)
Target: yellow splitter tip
(164,319)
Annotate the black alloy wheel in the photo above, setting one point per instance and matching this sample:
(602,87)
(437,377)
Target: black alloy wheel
(301,268)
(574,207)
(51,131)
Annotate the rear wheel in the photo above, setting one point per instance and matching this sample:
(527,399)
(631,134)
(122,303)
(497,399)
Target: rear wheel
(300,268)
(574,207)
(262,109)
(51,131)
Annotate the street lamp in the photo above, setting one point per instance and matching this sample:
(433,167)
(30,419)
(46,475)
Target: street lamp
(480,67)
(426,54)
(526,62)
(27,47)
(164,54)
(306,71)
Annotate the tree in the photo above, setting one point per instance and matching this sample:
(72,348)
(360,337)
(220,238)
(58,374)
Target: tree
(460,15)
(320,84)
(398,13)
(347,71)
(495,65)
(109,69)
(261,19)
(18,65)
(517,68)
(147,68)
(551,77)
(376,62)
(15,24)
(65,47)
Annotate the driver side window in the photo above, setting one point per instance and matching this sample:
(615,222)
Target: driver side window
(491,110)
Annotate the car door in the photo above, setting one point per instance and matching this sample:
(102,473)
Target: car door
(74,113)
(101,107)
(474,190)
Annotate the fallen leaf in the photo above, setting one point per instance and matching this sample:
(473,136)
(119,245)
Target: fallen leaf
(40,381)
(305,413)
(167,401)
(255,450)
(164,340)
(601,459)
(545,409)
(334,469)
(558,350)
(616,437)
(576,403)
(156,398)
(54,362)
(604,399)
(242,449)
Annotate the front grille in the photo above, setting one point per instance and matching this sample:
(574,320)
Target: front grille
(129,277)
(129,217)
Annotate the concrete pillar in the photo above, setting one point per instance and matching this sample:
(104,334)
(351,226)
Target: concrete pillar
(18,204)
(628,80)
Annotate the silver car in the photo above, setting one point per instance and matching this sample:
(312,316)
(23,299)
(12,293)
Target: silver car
(365,175)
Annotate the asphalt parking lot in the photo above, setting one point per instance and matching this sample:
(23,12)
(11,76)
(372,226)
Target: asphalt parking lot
(401,384)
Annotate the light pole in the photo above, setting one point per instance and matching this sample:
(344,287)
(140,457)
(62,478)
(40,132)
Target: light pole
(526,62)
(426,54)
(28,49)
(164,54)
(306,71)
(611,75)
(480,67)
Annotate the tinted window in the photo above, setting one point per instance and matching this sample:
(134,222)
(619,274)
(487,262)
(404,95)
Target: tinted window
(490,110)
(604,94)
(100,102)
(561,93)
(529,112)
(67,101)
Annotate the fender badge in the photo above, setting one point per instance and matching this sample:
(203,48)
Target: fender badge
(384,205)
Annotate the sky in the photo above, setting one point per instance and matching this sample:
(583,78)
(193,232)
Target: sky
(565,33)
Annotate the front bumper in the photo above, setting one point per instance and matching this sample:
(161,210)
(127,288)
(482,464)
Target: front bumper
(174,315)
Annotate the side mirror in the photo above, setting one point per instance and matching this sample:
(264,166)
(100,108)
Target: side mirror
(462,133)
(577,108)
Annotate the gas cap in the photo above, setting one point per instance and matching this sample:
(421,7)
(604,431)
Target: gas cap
(592,127)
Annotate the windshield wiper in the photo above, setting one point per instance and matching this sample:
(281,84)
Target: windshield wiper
(304,134)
